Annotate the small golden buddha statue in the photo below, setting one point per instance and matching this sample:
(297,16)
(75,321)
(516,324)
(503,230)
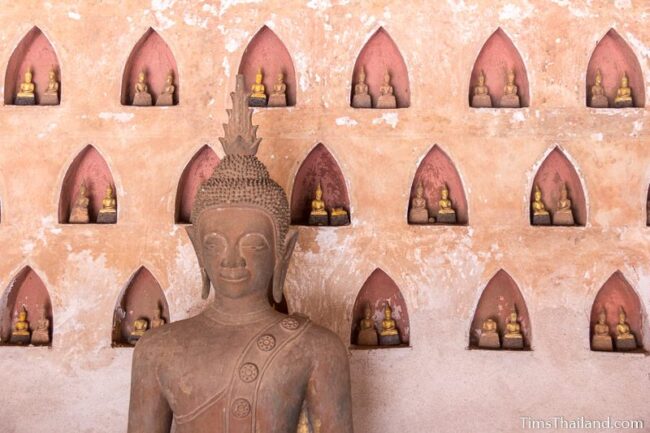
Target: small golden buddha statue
(510,99)
(601,340)
(625,339)
(79,213)
(51,95)
(157,320)
(624,94)
(318,215)
(389,334)
(278,96)
(481,97)
(41,335)
(21,333)
(367,333)
(563,216)
(166,97)
(489,338)
(598,97)
(446,213)
(142,97)
(419,214)
(386,97)
(361,97)
(339,216)
(26,95)
(108,212)
(258,91)
(139,328)
(540,215)
(513,339)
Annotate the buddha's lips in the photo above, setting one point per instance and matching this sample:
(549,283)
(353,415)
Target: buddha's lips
(234,275)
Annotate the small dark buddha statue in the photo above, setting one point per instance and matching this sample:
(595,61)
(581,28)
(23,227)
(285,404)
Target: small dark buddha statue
(240,366)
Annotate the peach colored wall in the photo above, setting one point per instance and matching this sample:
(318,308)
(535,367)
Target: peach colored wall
(82,384)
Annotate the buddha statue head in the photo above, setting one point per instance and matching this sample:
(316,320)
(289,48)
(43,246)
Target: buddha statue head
(170,78)
(240,217)
(141,77)
(538,193)
(386,78)
(28,76)
(259,76)
(599,78)
(602,316)
(564,193)
(362,75)
(625,81)
(622,317)
(388,312)
(513,316)
(444,192)
(481,79)
(318,194)
(22,314)
(367,311)
(280,78)
(52,75)
(419,190)
(511,77)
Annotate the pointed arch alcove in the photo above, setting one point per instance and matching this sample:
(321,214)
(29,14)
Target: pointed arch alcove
(28,290)
(141,297)
(89,168)
(614,57)
(152,55)
(497,301)
(497,56)
(265,50)
(555,171)
(318,166)
(34,52)
(614,294)
(197,171)
(435,171)
(380,53)
(378,289)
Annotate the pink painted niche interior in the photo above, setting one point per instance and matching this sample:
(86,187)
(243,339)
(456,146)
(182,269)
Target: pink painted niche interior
(140,299)
(197,171)
(554,171)
(91,169)
(378,289)
(319,166)
(498,299)
(614,57)
(267,51)
(379,54)
(497,56)
(26,289)
(34,52)
(616,293)
(436,170)
(152,55)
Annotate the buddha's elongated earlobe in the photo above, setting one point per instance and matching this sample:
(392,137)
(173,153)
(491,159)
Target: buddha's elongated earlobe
(205,281)
(280,271)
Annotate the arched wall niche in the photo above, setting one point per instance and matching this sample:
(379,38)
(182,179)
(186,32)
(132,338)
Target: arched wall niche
(498,299)
(318,166)
(552,173)
(34,52)
(197,171)
(379,54)
(152,55)
(647,208)
(435,171)
(28,290)
(89,168)
(614,57)
(497,56)
(378,289)
(139,299)
(615,293)
(265,50)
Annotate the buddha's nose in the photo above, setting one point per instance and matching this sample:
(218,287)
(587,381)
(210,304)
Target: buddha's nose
(233,259)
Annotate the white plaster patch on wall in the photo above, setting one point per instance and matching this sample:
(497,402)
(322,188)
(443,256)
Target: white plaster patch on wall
(184,281)
(74,15)
(459,6)
(211,9)
(234,39)
(227,4)
(597,136)
(226,66)
(391,119)
(639,46)
(319,5)
(159,6)
(518,116)
(622,4)
(120,117)
(637,127)
(511,12)
(574,10)
(302,64)
(50,127)
(345,121)
(195,21)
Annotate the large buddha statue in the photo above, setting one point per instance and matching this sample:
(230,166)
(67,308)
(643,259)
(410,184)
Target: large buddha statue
(79,212)
(598,97)
(446,213)
(41,335)
(51,94)
(142,97)
(389,334)
(240,366)
(489,338)
(601,340)
(541,217)
(21,333)
(419,214)
(108,212)
(258,91)
(513,339)
(318,215)
(278,96)
(386,96)
(624,94)
(166,97)
(361,97)
(25,94)
(481,97)
(510,98)
(625,339)
(367,333)
(563,215)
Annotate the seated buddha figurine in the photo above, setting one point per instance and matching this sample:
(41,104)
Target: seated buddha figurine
(598,97)
(318,215)
(489,338)
(601,340)
(563,215)
(389,334)
(278,96)
(386,97)
(41,335)
(541,217)
(481,97)
(79,212)
(367,333)
(157,320)
(142,97)
(446,213)
(108,212)
(21,333)
(25,94)
(625,339)
(51,94)
(513,339)
(240,366)
(258,91)
(166,97)
(419,214)
(510,99)
(140,326)
(361,97)
(624,94)
(339,216)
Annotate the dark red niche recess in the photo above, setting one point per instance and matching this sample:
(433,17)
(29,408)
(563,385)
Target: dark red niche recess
(616,293)
(497,301)
(555,170)
(497,56)
(267,51)
(613,56)
(378,289)
(140,299)
(435,170)
(90,168)
(378,54)
(197,171)
(318,166)
(36,53)
(647,207)
(26,289)
(152,55)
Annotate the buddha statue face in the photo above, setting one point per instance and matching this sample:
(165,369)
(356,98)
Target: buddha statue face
(52,75)
(28,77)
(625,81)
(362,76)
(419,191)
(258,77)
(141,77)
(538,195)
(387,78)
(367,312)
(564,193)
(319,193)
(481,79)
(170,79)
(280,78)
(511,77)
(602,317)
(513,317)
(388,313)
(444,194)
(599,78)
(22,315)
(622,317)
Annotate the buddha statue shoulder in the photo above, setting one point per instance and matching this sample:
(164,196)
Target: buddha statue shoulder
(360,97)
(624,94)
(240,364)
(142,97)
